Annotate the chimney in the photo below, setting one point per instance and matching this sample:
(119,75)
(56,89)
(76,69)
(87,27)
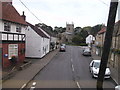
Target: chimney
(10,1)
(23,16)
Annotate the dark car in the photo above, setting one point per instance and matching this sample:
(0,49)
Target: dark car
(87,52)
(62,48)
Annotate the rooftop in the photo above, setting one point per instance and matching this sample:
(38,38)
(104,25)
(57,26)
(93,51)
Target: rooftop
(9,13)
(38,31)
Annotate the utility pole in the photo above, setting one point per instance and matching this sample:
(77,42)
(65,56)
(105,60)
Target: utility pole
(107,43)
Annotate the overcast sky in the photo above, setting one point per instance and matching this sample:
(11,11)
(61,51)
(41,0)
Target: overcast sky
(57,12)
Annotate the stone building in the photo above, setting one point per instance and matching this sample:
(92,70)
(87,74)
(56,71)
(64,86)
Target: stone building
(114,58)
(100,41)
(69,32)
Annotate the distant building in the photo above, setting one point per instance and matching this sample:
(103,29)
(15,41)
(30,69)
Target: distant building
(100,41)
(68,34)
(90,40)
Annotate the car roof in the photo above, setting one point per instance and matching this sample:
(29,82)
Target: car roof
(62,46)
(97,60)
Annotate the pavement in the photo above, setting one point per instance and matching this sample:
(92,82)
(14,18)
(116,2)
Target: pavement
(25,75)
(95,57)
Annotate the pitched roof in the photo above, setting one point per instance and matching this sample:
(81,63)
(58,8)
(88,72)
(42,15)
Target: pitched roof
(103,30)
(9,13)
(38,31)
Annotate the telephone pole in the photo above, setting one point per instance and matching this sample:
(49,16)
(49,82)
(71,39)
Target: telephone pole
(107,43)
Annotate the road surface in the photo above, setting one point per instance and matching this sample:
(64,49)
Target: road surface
(68,69)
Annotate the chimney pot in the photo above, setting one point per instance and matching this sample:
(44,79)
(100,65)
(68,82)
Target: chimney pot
(24,17)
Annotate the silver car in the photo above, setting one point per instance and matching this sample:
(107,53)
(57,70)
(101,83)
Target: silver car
(87,52)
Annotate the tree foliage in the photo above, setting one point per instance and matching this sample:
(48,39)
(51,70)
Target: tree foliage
(47,29)
(59,29)
(95,29)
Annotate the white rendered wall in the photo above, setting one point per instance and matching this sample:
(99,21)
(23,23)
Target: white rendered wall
(33,44)
(1,26)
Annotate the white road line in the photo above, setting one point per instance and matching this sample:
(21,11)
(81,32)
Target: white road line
(32,88)
(73,68)
(78,84)
(71,60)
(22,86)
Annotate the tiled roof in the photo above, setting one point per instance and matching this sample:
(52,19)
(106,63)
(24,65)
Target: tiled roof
(38,31)
(103,30)
(9,13)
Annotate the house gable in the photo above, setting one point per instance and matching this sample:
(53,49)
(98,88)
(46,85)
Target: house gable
(9,13)
(38,31)
(103,30)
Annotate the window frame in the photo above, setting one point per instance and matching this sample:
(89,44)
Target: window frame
(7,26)
(18,28)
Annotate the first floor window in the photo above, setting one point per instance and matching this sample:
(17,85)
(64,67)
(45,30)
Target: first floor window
(18,28)
(7,26)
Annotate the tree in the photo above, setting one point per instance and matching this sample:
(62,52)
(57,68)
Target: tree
(77,39)
(83,34)
(87,28)
(77,30)
(46,28)
(95,29)
(59,29)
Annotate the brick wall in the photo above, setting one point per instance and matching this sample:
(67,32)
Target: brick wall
(21,55)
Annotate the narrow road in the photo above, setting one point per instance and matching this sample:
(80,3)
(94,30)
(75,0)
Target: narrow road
(68,69)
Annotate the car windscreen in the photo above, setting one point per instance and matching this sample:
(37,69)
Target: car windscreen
(97,64)
(86,50)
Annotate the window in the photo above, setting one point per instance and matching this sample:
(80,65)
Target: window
(69,28)
(7,26)
(13,50)
(18,28)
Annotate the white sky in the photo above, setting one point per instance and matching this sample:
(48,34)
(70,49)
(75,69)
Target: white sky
(58,12)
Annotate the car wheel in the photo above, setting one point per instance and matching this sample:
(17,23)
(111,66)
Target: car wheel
(92,75)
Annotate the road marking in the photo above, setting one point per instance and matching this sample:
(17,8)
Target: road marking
(32,88)
(71,60)
(23,86)
(78,84)
(34,83)
(73,68)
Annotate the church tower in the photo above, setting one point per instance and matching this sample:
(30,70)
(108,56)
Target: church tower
(69,32)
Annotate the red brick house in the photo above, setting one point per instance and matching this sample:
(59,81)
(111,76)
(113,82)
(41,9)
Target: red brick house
(12,32)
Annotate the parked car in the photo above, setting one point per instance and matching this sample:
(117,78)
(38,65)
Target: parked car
(94,69)
(62,48)
(87,52)
(63,45)
(117,87)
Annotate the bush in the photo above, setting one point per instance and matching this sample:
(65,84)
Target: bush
(83,44)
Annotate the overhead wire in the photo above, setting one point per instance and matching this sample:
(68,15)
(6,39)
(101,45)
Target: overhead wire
(30,11)
(103,2)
